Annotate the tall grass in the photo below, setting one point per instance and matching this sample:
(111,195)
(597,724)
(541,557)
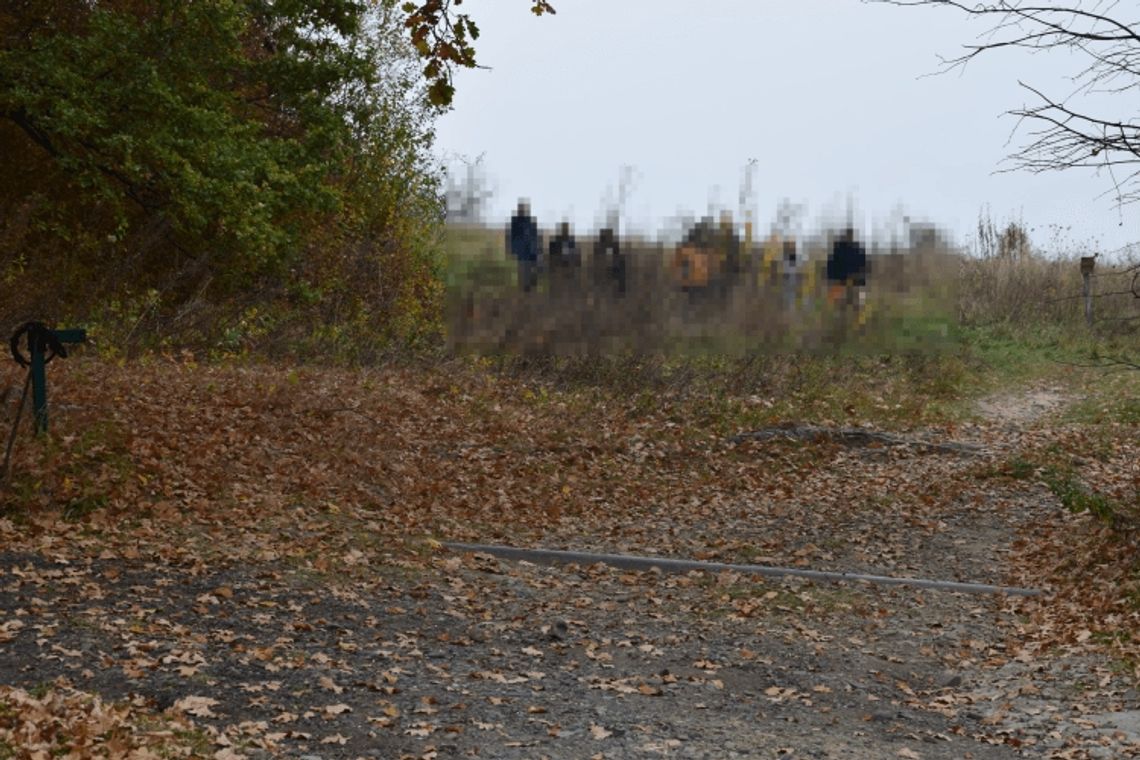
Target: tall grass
(911,306)
(1006,279)
(1033,289)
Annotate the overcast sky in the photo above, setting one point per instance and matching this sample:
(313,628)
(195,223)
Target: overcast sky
(828,96)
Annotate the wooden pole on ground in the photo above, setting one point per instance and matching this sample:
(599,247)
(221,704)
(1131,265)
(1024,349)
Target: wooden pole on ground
(673,565)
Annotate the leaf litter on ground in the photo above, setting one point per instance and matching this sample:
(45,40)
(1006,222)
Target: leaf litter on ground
(272,492)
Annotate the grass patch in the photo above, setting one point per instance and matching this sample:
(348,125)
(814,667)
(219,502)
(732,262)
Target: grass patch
(196,741)
(1015,468)
(1020,469)
(1113,399)
(74,472)
(1057,473)
(1077,498)
(1117,636)
(79,508)
(40,690)
(728,393)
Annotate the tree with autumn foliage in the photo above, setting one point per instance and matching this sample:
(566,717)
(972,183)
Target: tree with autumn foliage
(161,155)
(445,39)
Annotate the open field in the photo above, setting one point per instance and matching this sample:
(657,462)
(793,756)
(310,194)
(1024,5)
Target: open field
(917,299)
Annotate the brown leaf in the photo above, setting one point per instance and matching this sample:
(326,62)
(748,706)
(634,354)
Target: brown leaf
(197,706)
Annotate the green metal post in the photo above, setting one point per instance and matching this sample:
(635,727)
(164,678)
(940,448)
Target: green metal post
(39,385)
(43,346)
(37,344)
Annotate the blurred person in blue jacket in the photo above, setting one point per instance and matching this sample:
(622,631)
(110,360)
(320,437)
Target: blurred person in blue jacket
(523,243)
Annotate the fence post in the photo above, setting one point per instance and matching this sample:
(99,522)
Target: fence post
(1087,265)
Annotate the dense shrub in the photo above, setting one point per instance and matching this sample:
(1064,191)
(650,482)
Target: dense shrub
(223,174)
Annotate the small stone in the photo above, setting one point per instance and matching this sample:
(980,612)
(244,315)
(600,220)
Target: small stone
(558,631)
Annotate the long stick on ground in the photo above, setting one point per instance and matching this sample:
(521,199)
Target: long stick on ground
(856,436)
(6,470)
(670,565)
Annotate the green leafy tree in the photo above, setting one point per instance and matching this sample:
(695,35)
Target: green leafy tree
(213,118)
(163,156)
(170,146)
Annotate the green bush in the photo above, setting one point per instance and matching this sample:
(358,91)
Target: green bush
(221,174)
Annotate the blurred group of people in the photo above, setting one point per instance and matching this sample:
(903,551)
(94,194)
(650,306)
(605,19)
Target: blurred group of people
(563,260)
(710,259)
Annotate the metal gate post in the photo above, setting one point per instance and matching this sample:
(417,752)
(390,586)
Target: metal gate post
(43,346)
(39,383)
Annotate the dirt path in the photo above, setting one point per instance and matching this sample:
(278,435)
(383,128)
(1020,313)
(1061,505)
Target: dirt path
(1023,408)
(470,656)
(492,659)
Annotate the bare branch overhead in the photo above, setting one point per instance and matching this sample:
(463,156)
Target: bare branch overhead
(1067,132)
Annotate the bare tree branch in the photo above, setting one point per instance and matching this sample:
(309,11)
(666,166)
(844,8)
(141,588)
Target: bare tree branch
(1061,135)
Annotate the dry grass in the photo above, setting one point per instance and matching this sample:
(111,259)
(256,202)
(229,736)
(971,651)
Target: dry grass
(1032,289)
(917,298)
(654,316)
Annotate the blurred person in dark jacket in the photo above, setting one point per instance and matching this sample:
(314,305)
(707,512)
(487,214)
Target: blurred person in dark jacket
(564,261)
(523,243)
(847,271)
(608,263)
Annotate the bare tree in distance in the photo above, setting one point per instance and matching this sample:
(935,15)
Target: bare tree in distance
(468,193)
(1063,133)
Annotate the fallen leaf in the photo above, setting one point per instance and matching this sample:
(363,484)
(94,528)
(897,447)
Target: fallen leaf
(197,706)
